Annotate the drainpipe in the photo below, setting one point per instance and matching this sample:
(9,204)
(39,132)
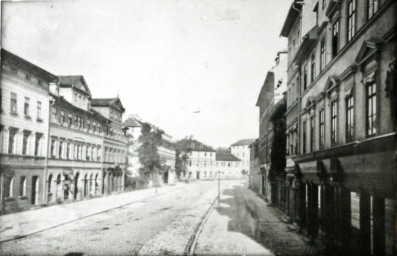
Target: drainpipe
(45,196)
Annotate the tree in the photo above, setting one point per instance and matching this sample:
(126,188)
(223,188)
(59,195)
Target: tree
(182,156)
(148,155)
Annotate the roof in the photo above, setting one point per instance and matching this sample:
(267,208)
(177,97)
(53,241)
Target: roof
(132,122)
(108,102)
(268,86)
(11,59)
(223,156)
(75,81)
(244,142)
(194,145)
(293,13)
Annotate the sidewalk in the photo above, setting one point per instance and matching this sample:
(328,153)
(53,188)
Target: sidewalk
(243,224)
(29,222)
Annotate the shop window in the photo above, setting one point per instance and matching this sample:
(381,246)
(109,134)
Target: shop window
(349,119)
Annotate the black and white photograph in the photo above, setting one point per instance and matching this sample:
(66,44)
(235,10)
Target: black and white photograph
(198,127)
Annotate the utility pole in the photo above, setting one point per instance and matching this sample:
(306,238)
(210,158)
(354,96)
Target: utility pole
(219,187)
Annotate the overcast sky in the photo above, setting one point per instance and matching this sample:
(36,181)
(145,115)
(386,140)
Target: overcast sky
(191,67)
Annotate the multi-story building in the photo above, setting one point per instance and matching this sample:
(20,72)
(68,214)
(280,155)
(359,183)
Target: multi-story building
(166,150)
(270,101)
(241,150)
(341,123)
(206,163)
(24,132)
(114,152)
(78,165)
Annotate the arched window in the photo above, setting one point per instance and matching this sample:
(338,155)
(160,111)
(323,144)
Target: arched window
(22,186)
(8,186)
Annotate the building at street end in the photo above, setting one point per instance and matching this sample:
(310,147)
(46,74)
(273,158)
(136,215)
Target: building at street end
(205,163)
(24,132)
(241,150)
(167,151)
(341,124)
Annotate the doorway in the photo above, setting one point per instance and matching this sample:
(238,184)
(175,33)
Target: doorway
(35,190)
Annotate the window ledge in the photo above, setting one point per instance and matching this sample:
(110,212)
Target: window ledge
(28,117)
(13,113)
(39,120)
(23,197)
(9,199)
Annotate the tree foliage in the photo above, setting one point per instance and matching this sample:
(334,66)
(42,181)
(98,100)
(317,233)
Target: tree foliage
(148,155)
(182,156)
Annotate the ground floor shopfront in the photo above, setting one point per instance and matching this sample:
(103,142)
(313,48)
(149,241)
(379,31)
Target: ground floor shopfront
(344,199)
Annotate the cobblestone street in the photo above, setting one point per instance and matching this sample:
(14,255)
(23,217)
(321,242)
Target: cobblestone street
(125,230)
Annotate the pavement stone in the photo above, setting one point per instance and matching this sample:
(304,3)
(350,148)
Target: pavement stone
(29,222)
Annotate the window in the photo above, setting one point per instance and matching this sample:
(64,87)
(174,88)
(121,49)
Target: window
(349,119)
(312,124)
(322,129)
(53,114)
(93,126)
(26,107)
(8,187)
(22,186)
(39,109)
(373,6)
(322,54)
(99,128)
(11,141)
(60,149)
(371,107)
(52,147)
(335,39)
(13,103)
(25,142)
(70,118)
(82,120)
(68,156)
(334,122)
(313,67)
(88,125)
(304,137)
(37,143)
(324,3)
(351,20)
(76,122)
(62,116)
(304,77)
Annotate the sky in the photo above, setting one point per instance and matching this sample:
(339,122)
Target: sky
(190,67)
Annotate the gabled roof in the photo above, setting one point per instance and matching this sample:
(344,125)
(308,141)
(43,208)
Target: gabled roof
(268,86)
(75,81)
(11,59)
(292,15)
(108,102)
(132,122)
(224,156)
(244,142)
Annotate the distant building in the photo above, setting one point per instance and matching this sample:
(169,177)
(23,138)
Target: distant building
(167,152)
(241,150)
(24,132)
(206,163)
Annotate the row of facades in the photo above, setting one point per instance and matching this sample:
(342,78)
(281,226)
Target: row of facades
(56,143)
(326,152)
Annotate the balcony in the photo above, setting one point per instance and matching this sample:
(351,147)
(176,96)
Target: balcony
(22,160)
